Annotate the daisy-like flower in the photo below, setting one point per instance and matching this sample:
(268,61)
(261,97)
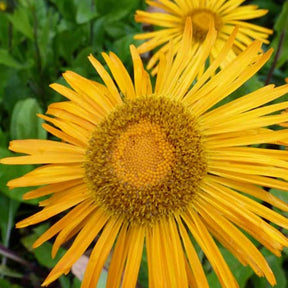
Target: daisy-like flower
(142,168)
(224,15)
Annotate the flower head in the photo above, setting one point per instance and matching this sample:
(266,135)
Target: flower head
(223,15)
(141,167)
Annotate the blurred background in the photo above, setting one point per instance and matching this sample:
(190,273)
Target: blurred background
(40,39)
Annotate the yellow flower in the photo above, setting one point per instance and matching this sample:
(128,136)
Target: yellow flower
(142,168)
(3,6)
(224,15)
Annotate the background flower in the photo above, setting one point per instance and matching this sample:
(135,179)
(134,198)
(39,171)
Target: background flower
(223,15)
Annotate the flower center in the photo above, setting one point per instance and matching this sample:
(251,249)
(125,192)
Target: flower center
(201,20)
(142,156)
(145,160)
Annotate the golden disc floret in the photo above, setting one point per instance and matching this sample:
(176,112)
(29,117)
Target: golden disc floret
(145,160)
(201,21)
(142,156)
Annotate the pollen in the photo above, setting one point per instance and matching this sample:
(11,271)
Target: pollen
(201,20)
(142,155)
(145,160)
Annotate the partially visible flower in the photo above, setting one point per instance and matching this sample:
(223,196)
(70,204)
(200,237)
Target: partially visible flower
(223,15)
(3,6)
(142,167)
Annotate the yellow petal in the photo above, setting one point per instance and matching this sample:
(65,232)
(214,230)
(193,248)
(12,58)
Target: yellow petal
(100,252)
(80,244)
(135,245)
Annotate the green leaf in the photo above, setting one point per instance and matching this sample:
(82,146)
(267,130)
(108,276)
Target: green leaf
(67,43)
(119,30)
(5,271)
(8,209)
(143,272)
(8,60)
(14,90)
(3,138)
(85,11)
(121,47)
(76,283)
(98,28)
(281,28)
(46,35)
(82,64)
(46,18)
(4,31)
(115,10)
(21,22)
(24,122)
(5,284)
(282,20)
(65,282)
(67,8)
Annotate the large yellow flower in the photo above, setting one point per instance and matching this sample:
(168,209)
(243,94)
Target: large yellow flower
(141,168)
(224,15)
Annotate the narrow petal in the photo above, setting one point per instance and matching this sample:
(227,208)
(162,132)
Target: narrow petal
(106,79)
(68,111)
(80,244)
(48,174)
(93,95)
(209,247)
(72,129)
(155,257)
(52,189)
(100,252)
(254,179)
(79,100)
(253,190)
(83,208)
(142,81)
(195,264)
(120,75)
(52,210)
(135,247)
(235,241)
(269,236)
(252,137)
(118,260)
(250,205)
(64,136)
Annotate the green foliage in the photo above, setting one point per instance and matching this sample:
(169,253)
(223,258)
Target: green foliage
(40,39)
(281,28)
(6,284)
(115,10)
(24,121)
